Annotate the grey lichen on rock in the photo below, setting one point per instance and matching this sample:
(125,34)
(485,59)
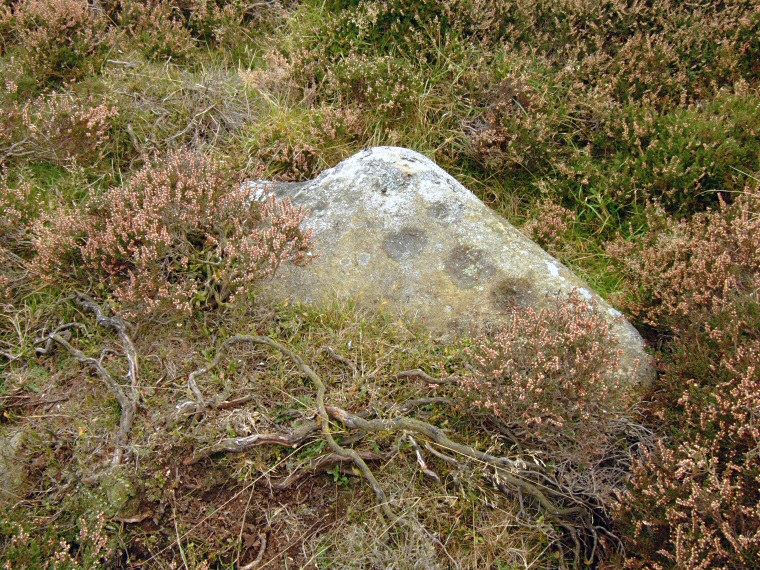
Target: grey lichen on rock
(393,228)
(119,491)
(12,467)
(111,492)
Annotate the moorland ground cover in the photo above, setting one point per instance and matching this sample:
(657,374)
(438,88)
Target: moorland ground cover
(622,136)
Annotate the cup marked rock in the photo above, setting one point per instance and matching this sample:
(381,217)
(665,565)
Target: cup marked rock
(393,227)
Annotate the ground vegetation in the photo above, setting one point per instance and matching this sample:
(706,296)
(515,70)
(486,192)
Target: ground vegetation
(155,413)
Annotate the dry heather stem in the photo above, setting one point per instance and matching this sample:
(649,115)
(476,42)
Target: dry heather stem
(127,398)
(526,477)
(417,373)
(239,444)
(323,417)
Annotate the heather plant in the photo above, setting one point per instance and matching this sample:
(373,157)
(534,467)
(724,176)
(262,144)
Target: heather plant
(180,234)
(275,82)
(59,41)
(57,128)
(689,271)
(545,99)
(692,502)
(16,208)
(19,204)
(694,284)
(176,28)
(523,123)
(158,29)
(548,384)
(227,23)
(551,227)
(6,25)
(372,55)
(287,143)
(550,377)
(685,158)
(588,119)
(23,547)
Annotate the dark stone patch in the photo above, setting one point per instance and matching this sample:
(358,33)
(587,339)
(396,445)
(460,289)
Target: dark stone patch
(467,266)
(404,244)
(320,206)
(510,292)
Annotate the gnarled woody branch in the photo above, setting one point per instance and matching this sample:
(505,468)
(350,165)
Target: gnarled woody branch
(322,464)
(570,511)
(323,419)
(417,373)
(239,444)
(518,473)
(128,395)
(510,469)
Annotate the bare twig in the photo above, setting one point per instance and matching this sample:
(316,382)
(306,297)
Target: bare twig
(558,499)
(324,418)
(126,403)
(322,464)
(120,326)
(19,403)
(9,356)
(515,473)
(447,458)
(433,433)
(417,373)
(48,340)
(234,403)
(127,398)
(421,460)
(342,359)
(239,444)
(260,556)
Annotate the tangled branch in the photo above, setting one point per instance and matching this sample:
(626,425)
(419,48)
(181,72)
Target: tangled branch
(323,418)
(566,506)
(127,395)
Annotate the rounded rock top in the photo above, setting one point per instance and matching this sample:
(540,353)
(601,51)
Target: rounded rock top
(392,228)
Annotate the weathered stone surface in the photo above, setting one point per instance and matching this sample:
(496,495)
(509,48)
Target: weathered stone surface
(393,228)
(12,468)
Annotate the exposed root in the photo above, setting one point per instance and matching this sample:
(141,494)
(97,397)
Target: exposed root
(120,326)
(528,477)
(323,417)
(417,373)
(229,404)
(127,395)
(568,508)
(421,461)
(63,331)
(240,444)
(447,458)
(260,556)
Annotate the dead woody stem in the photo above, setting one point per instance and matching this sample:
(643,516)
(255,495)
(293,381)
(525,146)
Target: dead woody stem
(126,394)
(569,510)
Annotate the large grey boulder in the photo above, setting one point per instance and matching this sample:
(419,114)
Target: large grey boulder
(395,230)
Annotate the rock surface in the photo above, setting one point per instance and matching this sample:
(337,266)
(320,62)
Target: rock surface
(12,468)
(395,230)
